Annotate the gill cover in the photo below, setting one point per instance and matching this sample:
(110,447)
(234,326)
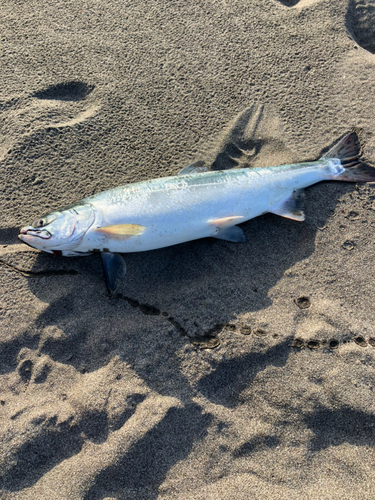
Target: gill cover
(62,230)
(76,221)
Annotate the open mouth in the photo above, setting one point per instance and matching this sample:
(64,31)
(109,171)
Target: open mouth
(37,233)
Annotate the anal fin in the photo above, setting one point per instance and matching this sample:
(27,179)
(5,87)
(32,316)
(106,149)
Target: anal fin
(114,269)
(291,207)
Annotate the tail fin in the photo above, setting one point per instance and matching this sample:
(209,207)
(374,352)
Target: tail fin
(348,151)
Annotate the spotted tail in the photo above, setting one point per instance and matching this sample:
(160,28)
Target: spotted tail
(348,151)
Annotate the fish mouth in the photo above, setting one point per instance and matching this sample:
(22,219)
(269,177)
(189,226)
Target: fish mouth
(26,233)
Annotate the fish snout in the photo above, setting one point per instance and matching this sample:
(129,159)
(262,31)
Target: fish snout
(27,233)
(23,234)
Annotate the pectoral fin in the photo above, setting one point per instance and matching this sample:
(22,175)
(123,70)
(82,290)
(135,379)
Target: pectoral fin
(114,269)
(291,207)
(121,231)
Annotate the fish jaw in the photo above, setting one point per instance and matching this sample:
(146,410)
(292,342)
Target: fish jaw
(35,238)
(60,232)
(36,242)
(30,232)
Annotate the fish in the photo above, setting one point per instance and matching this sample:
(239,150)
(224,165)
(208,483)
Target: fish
(196,203)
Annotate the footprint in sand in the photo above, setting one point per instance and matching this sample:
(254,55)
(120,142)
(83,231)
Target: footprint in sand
(331,344)
(66,91)
(360,22)
(289,3)
(58,106)
(324,328)
(298,3)
(302,302)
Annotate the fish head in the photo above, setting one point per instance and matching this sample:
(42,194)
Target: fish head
(59,232)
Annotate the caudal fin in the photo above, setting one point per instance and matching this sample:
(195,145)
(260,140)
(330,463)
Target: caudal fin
(348,151)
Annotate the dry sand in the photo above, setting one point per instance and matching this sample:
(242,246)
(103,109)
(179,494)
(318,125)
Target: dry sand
(207,377)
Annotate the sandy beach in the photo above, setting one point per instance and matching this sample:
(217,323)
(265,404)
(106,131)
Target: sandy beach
(219,371)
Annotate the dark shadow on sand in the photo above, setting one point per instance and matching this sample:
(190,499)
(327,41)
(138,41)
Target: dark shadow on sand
(344,425)
(57,441)
(225,383)
(8,235)
(146,465)
(360,23)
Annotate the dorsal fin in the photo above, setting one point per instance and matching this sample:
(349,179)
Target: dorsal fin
(193,168)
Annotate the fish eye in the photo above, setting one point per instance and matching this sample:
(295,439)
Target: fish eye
(39,223)
(44,221)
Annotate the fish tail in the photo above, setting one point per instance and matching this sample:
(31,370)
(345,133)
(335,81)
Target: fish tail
(348,151)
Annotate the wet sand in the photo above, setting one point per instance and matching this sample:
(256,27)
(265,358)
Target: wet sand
(220,370)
